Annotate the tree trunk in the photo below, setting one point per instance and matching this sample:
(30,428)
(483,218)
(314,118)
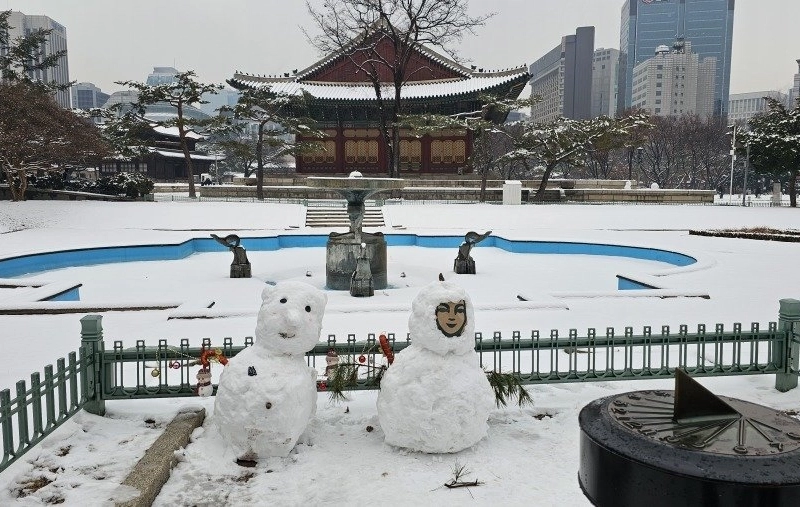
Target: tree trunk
(793,189)
(17,192)
(484,178)
(185,148)
(539,197)
(394,170)
(260,163)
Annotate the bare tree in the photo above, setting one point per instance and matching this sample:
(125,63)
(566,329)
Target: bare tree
(380,37)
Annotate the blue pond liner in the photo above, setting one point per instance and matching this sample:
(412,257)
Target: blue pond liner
(35,263)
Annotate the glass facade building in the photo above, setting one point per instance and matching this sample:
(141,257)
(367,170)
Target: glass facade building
(647,24)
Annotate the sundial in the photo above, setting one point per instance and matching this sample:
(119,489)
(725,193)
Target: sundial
(688,447)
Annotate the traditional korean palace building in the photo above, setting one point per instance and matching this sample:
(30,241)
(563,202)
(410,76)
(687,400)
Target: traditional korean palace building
(345,106)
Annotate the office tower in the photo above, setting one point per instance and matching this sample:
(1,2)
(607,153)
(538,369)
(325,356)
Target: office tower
(562,79)
(647,24)
(794,93)
(21,25)
(743,106)
(162,75)
(214,101)
(604,82)
(675,81)
(87,96)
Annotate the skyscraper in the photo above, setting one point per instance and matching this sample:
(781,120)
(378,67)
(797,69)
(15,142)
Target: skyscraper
(562,79)
(647,24)
(794,93)
(87,96)
(675,81)
(21,25)
(604,82)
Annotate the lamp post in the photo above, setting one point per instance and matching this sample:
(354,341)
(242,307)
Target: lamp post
(733,161)
(746,166)
(639,152)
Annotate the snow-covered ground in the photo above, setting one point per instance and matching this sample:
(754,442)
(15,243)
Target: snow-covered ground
(530,454)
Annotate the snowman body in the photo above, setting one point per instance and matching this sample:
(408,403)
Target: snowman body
(267,393)
(435,398)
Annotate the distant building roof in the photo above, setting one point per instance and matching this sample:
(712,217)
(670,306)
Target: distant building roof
(474,82)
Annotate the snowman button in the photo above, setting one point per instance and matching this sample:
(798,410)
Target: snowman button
(269,405)
(251,371)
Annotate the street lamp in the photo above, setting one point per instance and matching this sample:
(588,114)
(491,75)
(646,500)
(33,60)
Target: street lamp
(746,165)
(733,160)
(639,152)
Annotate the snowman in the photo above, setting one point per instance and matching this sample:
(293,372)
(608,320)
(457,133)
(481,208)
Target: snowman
(267,393)
(435,398)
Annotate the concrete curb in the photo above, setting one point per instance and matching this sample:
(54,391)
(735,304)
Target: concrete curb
(153,469)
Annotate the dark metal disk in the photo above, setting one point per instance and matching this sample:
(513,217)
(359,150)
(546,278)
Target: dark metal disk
(688,447)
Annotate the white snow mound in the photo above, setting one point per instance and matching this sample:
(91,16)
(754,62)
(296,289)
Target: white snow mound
(435,398)
(267,393)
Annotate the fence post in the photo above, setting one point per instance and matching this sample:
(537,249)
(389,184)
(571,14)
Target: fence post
(92,342)
(788,356)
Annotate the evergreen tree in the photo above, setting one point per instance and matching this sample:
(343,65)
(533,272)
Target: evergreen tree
(35,132)
(491,138)
(774,140)
(284,113)
(184,92)
(25,55)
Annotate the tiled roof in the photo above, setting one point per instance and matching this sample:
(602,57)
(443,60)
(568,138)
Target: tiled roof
(374,30)
(475,82)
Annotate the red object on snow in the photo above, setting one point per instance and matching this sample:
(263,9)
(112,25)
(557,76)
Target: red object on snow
(386,348)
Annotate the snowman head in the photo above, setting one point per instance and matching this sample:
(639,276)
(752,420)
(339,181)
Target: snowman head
(290,318)
(442,319)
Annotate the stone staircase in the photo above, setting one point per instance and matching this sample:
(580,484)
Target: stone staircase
(337,217)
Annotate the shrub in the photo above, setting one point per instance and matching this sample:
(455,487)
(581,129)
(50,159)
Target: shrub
(131,185)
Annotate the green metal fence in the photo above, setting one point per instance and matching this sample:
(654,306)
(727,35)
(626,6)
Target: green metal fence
(36,410)
(93,375)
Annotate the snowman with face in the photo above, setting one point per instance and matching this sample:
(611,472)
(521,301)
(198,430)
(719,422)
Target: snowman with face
(435,398)
(267,393)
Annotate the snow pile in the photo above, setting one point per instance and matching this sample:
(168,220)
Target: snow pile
(267,393)
(435,398)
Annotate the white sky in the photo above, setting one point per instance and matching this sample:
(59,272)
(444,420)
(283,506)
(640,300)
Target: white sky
(116,40)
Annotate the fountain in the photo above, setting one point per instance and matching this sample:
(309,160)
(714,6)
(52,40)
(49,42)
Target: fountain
(344,249)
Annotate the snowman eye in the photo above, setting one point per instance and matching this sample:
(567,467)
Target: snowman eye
(283,300)
(308,309)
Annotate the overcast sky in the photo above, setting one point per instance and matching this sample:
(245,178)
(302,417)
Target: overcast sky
(117,40)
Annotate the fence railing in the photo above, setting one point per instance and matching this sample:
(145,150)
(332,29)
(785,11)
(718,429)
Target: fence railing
(38,408)
(93,375)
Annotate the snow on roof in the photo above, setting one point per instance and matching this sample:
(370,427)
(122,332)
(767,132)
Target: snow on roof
(178,154)
(364,91)
(173,131)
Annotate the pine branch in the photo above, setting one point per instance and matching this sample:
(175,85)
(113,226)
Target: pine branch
(345,376)
(506,386)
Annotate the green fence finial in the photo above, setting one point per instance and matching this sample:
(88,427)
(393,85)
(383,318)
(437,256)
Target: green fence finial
(788,356)
(92,346)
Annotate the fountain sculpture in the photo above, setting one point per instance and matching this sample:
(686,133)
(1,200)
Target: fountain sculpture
(344,249)
(240,267)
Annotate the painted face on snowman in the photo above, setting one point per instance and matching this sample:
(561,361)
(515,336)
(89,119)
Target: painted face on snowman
(435,397)
(441,319)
